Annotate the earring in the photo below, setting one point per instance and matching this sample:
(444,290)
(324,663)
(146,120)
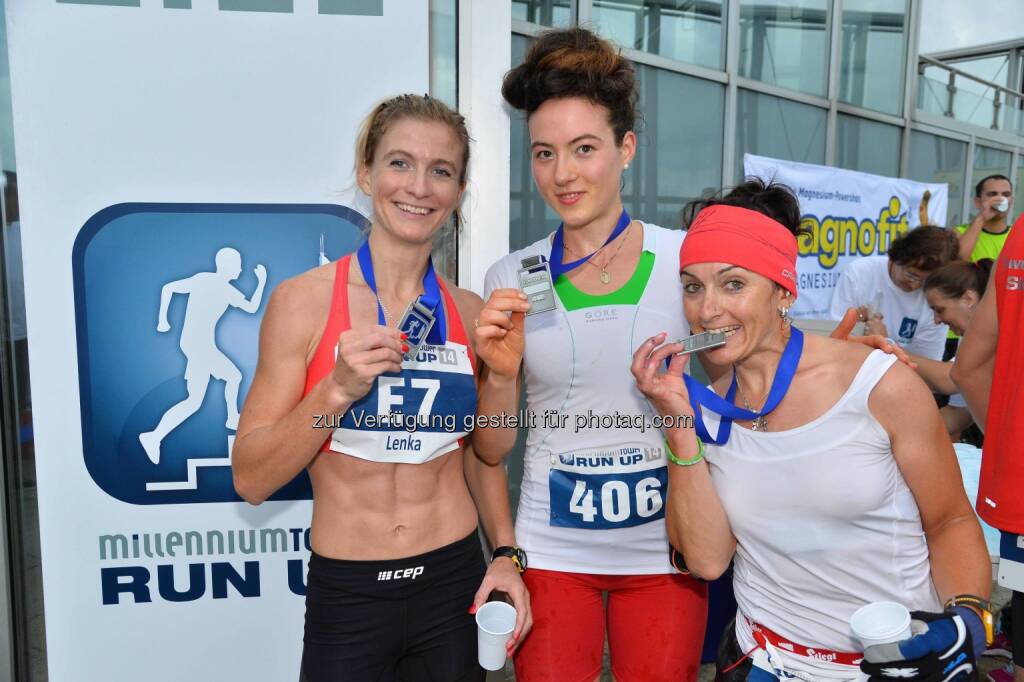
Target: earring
(626,167)
(784,314)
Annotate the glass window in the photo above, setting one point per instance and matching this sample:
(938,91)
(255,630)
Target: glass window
(555,13)
(529,217)
(443,86)
(779,128)
(940,159)
(867,146)
(683,30)
(873,51)
(785,43)
(22,513)
(443,62)
(679,151)
(988,161)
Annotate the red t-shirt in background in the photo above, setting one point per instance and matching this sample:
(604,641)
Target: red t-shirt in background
(1001,489)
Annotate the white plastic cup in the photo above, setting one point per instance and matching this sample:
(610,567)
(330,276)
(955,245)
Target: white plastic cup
(495,622)
(881,622)
(1003,205)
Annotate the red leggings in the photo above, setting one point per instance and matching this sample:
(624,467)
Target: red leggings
(655,627)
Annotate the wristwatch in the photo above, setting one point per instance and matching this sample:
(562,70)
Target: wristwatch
(516,554)
(982,606)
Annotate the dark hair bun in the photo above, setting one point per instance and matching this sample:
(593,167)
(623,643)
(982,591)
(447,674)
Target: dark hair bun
(575,62)
(773,199)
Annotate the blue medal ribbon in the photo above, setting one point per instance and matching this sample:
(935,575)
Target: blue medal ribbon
(702,396)
(431,298)
(558,247)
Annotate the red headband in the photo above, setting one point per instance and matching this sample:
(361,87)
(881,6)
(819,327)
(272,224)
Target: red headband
(739,236)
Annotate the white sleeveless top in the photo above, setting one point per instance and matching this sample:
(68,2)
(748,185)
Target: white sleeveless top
(824,521)
(593,496)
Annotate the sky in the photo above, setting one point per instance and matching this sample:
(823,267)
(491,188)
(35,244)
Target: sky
(952,24)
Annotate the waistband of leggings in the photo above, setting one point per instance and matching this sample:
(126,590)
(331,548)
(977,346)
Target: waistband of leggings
(419,568)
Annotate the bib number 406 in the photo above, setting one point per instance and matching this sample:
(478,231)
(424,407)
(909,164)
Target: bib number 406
(602,501)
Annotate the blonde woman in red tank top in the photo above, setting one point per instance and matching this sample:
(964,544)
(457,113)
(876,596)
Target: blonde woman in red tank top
(396,565)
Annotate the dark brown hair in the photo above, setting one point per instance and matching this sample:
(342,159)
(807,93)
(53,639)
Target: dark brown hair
(575,62)
(773,199)
(927,247)
(420,107)
(980,187)
(957,278)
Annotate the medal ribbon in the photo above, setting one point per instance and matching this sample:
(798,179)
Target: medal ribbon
(702,396)
(431,298)
(558,247)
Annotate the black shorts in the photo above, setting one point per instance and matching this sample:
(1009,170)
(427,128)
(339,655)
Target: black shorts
(1017,628)
(401,620)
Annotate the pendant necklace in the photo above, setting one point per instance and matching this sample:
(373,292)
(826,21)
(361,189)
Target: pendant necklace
(604,276)
(759,424)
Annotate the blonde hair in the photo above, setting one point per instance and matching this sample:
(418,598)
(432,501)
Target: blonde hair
(420,107)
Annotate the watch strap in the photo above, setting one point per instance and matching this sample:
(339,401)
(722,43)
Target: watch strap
(516,554)
(982,606)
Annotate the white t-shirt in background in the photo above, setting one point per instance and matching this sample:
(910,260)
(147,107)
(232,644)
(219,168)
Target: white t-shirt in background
(906,315)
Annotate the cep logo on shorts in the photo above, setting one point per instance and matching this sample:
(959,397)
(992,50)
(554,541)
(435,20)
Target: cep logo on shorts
(400,574)
(168,304)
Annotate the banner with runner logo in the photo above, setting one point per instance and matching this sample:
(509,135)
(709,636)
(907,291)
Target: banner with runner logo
(177,161)
(847,214)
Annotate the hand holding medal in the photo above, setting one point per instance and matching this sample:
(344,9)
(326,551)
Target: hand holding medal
(500,336)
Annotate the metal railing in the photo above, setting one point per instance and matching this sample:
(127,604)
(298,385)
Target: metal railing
(995,106)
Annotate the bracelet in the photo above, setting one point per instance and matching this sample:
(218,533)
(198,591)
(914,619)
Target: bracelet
(685,462)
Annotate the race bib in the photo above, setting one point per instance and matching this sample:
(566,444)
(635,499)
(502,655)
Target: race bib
(586,492)
(1011,561)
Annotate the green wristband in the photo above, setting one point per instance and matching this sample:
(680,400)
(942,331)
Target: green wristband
(685,462)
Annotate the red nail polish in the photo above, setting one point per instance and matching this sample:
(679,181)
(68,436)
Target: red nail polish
(472,608)
(405,348)
(404,336)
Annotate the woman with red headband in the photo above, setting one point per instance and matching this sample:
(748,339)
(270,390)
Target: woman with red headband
(819,468)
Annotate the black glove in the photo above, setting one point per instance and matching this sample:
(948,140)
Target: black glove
(943,648)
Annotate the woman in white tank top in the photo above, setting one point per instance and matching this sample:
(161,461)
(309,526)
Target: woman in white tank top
(834,491)
(591,513)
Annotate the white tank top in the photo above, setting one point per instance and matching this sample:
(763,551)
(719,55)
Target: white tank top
(593,498)
(824,521)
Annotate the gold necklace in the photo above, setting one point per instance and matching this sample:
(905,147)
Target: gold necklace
(605,277)
(759,424)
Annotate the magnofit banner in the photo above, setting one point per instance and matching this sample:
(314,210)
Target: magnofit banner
(847,214)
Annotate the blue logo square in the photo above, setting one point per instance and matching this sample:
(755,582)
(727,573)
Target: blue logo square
(908,327)
(168,304)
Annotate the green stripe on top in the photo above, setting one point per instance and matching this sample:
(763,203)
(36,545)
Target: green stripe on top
(628,294)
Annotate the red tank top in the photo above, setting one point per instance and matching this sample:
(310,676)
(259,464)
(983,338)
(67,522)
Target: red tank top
(1000,501)
(454,397)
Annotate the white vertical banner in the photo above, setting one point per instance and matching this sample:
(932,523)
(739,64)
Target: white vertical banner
(847,214)
(177,160)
